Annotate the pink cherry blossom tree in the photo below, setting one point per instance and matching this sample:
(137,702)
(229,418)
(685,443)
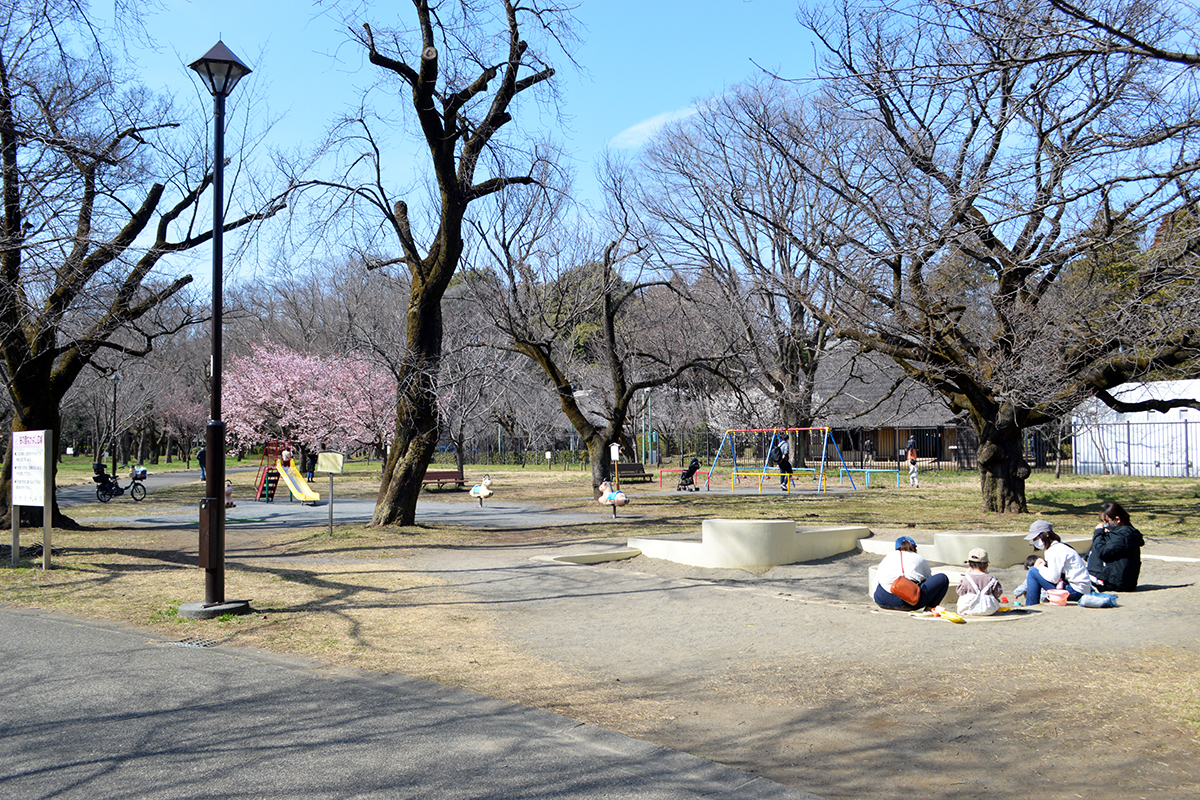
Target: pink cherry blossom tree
(313,401)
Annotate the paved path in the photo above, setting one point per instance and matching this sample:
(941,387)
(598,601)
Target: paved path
(285,512)
(250,514)
(99,711)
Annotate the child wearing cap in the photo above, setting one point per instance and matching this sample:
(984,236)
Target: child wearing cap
(978,592)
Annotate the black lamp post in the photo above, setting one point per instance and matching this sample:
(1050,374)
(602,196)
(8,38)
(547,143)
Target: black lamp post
(220,70)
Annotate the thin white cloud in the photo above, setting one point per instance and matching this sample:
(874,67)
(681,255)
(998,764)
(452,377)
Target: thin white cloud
(637,135)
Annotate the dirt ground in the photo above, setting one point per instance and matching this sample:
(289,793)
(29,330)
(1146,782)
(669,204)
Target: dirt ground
(792,674)
(1045,703)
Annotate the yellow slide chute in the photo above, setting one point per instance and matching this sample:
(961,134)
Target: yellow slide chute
(296,483)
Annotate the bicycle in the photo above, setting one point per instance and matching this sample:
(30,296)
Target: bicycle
(110,487)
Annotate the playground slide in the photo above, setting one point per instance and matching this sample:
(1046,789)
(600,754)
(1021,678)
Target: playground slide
(296,483)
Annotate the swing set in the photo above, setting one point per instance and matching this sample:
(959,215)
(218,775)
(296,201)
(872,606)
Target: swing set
(766,470)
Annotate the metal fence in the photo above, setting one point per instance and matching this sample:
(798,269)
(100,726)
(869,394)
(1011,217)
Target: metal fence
(1163,449)
(1158,449)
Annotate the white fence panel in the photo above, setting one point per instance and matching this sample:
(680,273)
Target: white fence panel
(1147,449)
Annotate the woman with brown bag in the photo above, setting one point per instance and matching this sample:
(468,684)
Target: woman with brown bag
(899,569)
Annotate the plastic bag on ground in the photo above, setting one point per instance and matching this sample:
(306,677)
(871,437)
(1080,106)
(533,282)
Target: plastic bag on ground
(1098,600)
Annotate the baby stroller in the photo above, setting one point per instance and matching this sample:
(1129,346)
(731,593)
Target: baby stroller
(687,481)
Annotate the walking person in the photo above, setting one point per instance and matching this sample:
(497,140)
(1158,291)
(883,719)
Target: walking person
(911,447)
(785,466)
(201,459)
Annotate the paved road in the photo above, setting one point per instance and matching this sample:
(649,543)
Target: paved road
(100,711)
(284,512)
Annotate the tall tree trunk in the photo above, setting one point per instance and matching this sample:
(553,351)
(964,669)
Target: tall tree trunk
(97,440)
(1002,466)
(456,140)
(416,433)
(598,457)
(794,390)
(150,449)
(457,438)
(598,449)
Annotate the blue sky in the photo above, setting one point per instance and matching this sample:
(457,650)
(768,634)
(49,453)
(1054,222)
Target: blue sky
(646,61)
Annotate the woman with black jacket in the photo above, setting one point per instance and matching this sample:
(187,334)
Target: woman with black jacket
(1116,556)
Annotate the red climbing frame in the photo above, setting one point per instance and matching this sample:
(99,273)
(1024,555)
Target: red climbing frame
(266,468)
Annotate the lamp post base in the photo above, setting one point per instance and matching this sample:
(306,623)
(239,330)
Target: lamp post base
(198,610)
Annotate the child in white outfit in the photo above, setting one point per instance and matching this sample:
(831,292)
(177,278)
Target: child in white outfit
(978,592)
(913,480)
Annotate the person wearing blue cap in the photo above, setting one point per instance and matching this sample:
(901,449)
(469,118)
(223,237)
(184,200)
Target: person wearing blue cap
(903,562)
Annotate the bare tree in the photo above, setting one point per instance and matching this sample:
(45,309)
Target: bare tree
(578,297)
(1160,30)
(97,191)
(341,309)
(525,408)
(730,207)
(980,174)
(477,381)
(463,65)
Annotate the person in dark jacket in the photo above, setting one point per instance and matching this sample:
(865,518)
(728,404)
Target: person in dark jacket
(1115,560)
(785,466)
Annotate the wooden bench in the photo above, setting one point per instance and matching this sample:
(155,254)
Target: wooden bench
(633,471)
(444,476)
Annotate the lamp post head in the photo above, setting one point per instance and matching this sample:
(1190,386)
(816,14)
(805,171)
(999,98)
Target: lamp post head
(220,69)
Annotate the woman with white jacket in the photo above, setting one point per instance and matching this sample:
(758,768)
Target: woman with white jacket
(1063,564)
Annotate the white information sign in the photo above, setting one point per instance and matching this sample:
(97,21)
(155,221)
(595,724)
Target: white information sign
(32,485)
(29,467)
(330,462)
